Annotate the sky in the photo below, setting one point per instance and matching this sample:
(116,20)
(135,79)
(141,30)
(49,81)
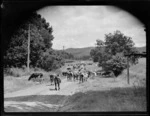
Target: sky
(81,26)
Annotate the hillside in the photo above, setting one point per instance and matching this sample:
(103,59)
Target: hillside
(80,52)
(141,49)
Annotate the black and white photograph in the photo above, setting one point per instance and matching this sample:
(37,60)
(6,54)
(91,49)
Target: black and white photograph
(74,58)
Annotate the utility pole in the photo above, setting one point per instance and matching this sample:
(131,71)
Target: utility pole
(128,70)
(28,59)
(63,48)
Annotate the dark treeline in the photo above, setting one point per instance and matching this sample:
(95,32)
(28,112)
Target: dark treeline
(41,53)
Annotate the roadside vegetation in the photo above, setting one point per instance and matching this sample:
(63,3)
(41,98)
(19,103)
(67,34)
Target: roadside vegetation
(119,99)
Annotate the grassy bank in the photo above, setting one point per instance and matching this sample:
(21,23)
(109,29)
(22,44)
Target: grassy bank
(119,99)
(12,84)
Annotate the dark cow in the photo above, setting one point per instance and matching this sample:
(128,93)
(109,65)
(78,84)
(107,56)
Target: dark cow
(68,68)
(57,82)
(35,75)
(89,63)
(100,72)
(64,73)
(74,67)
(69,75)
(81,76)
(107,73)
(89,73)
(52,79)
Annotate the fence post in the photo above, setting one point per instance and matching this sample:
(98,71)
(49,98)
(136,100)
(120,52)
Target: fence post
(28,59)
(128,76)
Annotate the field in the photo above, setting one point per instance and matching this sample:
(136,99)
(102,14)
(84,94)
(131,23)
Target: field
(97,94)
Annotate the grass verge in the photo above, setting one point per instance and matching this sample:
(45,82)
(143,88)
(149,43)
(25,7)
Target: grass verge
(118,99)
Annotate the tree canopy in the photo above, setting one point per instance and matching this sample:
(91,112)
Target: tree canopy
(111,53)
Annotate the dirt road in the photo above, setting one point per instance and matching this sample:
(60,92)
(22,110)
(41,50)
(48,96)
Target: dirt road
(66,88)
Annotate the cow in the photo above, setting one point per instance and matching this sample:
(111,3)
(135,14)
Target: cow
(107,73)
(35,75)
(100,72)
(68,69)
(81,77)
(52,79)
(69,75)
(64,73)
(75,75)
(57,82)
(85,76)
(91,74)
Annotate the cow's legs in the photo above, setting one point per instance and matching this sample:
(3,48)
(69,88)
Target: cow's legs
(73,77)
(82,79)
(58,86)
(67,78)
(51,82)
(55,86)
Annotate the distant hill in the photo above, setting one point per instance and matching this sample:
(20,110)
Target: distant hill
(80,52)
(141,49)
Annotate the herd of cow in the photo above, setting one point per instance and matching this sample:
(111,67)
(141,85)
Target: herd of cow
(80,74)
(77,72)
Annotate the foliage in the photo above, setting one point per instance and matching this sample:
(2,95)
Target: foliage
(94,55)
(98,52)
(111,53)
(117,43)
(103,59)
(117,64)
(133,59)
(16,72)
(53,59)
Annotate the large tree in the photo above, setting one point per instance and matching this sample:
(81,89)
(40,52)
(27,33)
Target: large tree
(111,53)
(118,42)
(41,40)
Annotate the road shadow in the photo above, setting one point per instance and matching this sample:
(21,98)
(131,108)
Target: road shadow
(52,89)
(21,103)
(50,85)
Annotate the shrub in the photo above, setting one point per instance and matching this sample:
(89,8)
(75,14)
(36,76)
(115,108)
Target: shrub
(117,64)
(16,72)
